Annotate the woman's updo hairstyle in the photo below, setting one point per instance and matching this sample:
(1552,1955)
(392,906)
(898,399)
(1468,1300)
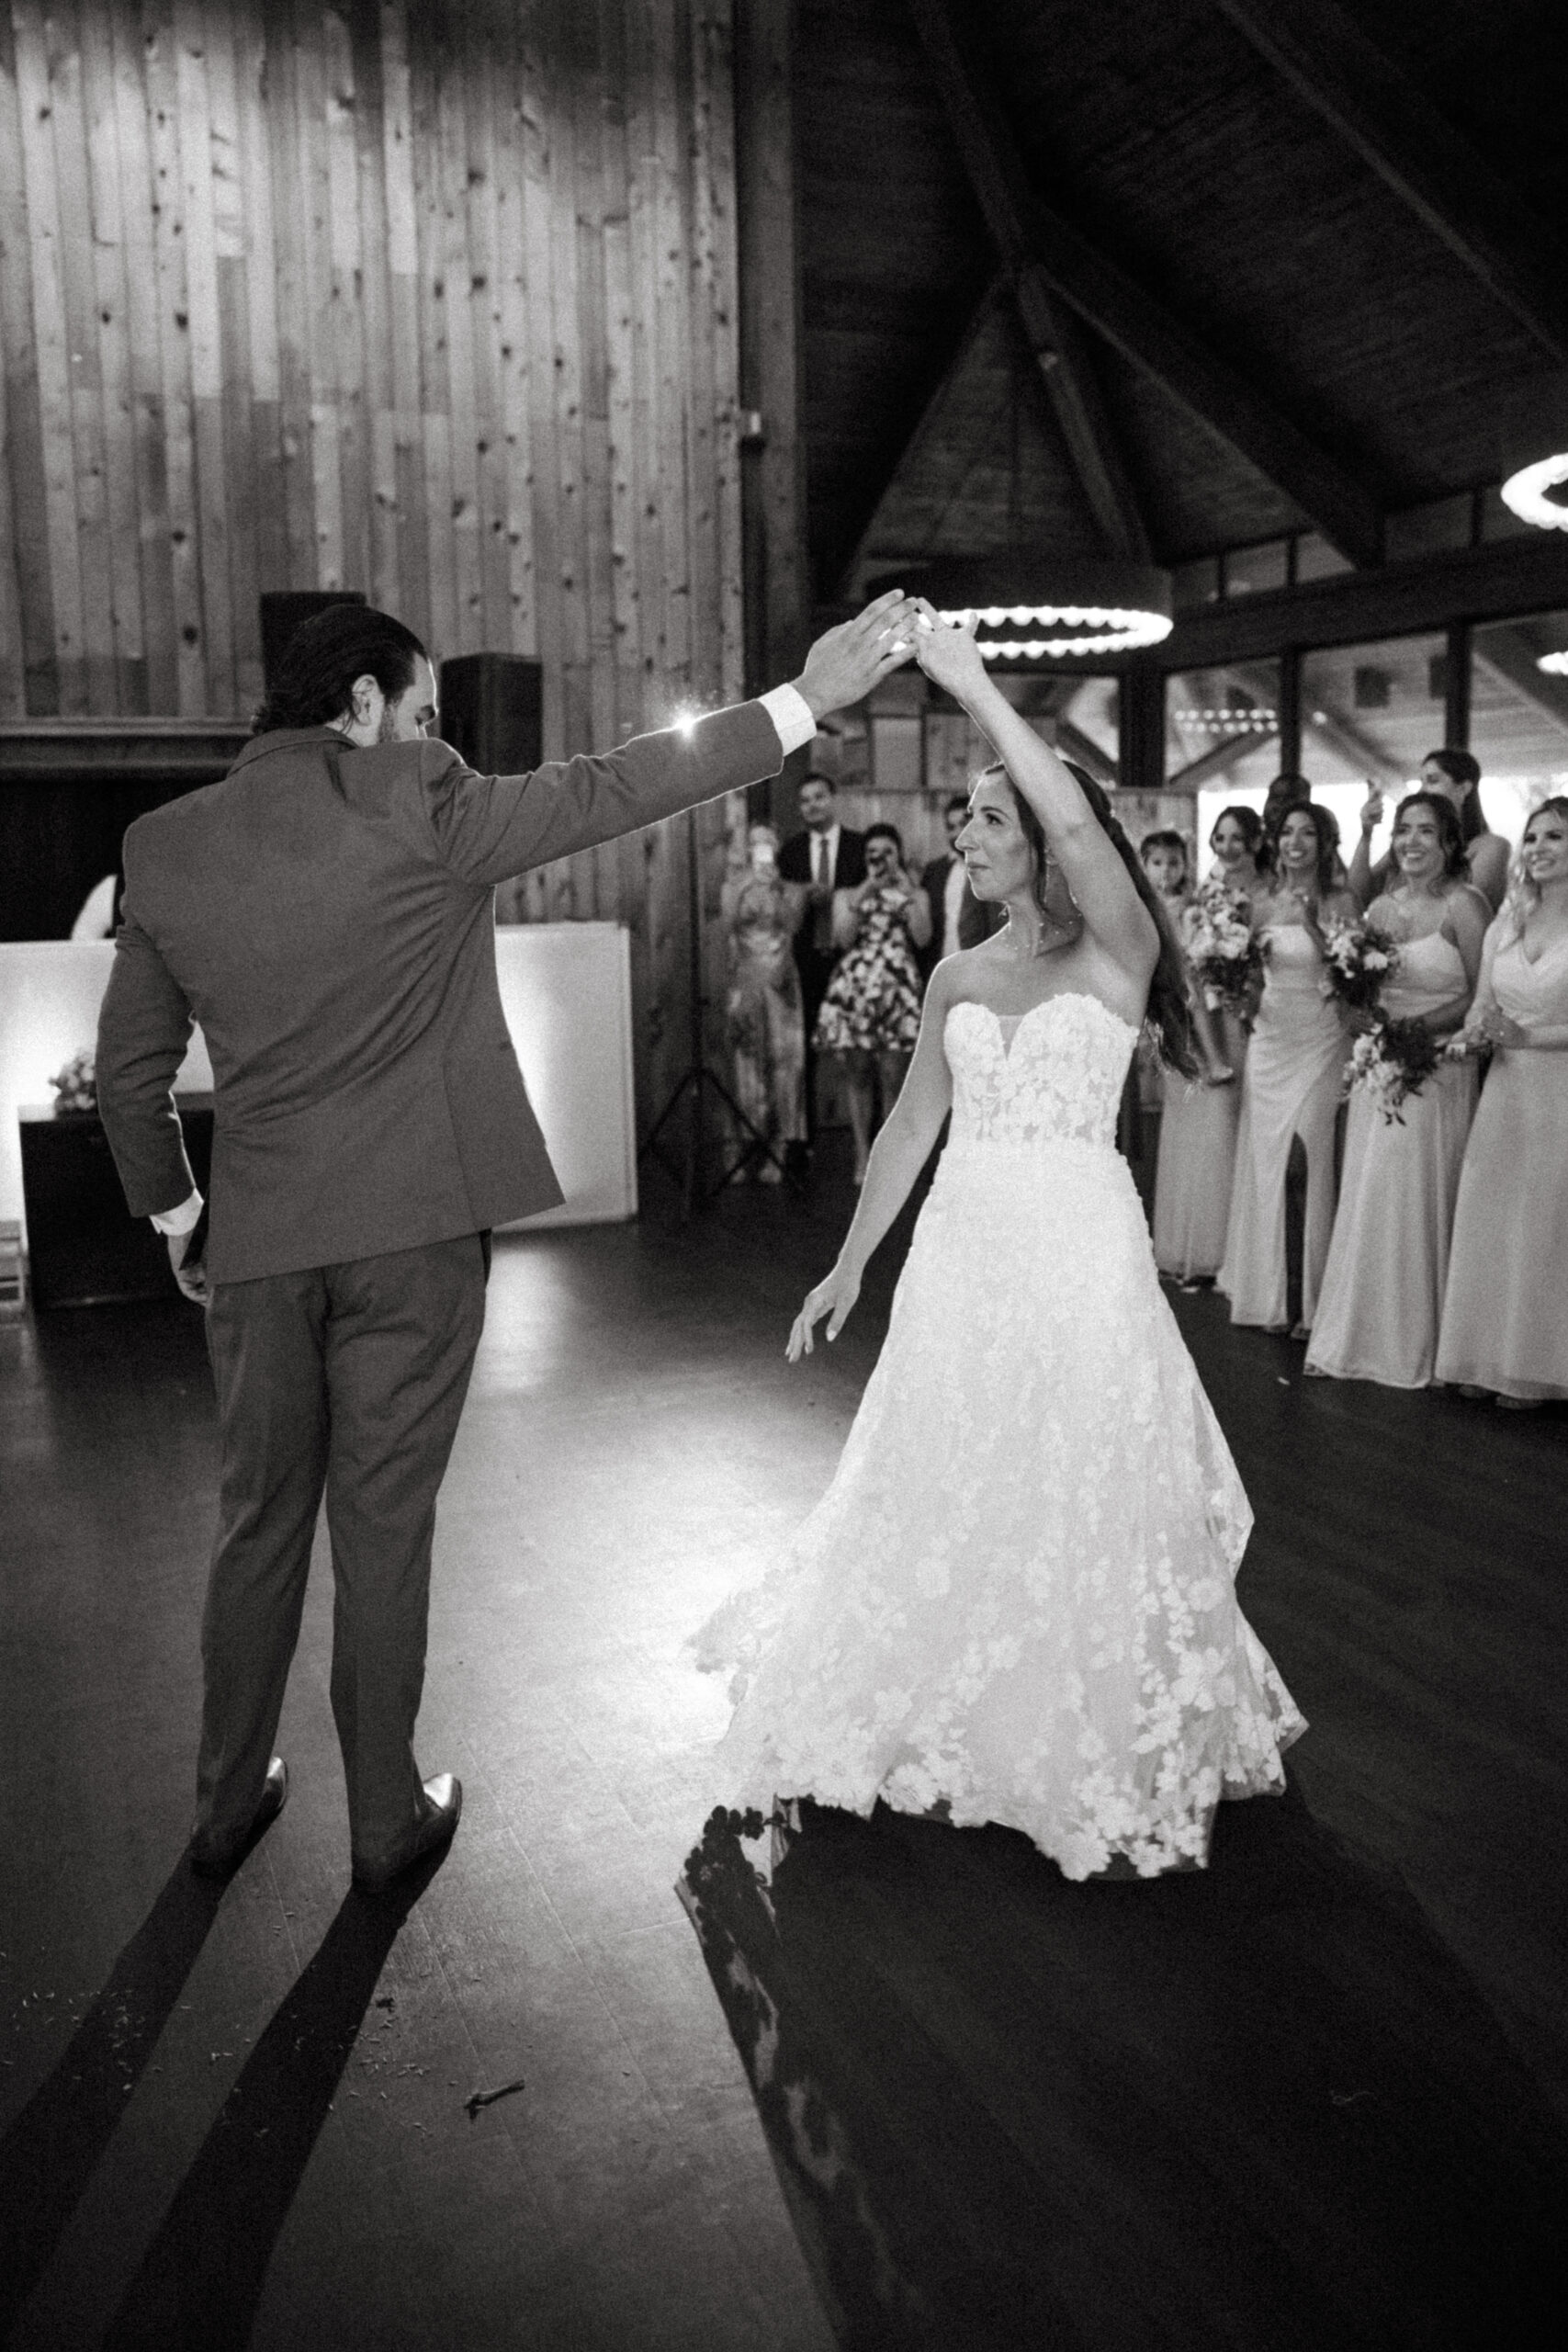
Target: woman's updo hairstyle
(1170,1013)
(883,832)
(1456,859)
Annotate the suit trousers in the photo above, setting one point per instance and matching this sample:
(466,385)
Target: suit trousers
(346,1380)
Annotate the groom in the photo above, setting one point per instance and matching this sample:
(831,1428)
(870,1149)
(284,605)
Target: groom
(326,914)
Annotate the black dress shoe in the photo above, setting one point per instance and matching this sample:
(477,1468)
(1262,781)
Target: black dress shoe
(444,1799)
(222,1861)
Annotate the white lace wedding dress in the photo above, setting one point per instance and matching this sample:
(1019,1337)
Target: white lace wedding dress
(1016,1601)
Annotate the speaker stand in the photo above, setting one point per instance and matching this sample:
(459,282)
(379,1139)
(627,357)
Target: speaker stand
(696,1082)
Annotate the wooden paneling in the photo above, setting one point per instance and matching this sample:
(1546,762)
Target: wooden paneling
(434,298)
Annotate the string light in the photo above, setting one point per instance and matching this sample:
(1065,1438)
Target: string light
(1526,493)
(1114,629)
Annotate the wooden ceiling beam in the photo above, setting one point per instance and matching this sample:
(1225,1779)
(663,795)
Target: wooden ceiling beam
(1038,246)
(1058,343)
(1376,108)
(951,362)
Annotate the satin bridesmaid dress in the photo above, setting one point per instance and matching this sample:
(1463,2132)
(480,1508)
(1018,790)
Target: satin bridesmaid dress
(1504,1323)
(1383,1287)
(1196,1164)
(1290,1088)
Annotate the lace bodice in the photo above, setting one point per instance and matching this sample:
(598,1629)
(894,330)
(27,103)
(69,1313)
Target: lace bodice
(1056,1074)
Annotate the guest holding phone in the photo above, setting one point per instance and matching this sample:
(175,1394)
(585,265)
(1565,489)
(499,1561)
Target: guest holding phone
(871,1013)
(1456,775)
(1383,1287)
(1504,1328)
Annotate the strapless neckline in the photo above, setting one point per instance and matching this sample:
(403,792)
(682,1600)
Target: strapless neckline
(1009,1024)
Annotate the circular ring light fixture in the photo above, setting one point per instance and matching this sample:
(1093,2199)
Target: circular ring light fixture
(1534,452)
(1058,609)
(1554,664)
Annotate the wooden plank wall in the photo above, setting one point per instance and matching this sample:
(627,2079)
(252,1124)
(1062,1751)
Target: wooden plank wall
(434,298)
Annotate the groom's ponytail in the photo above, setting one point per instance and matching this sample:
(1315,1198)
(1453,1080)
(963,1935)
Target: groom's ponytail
(314,682)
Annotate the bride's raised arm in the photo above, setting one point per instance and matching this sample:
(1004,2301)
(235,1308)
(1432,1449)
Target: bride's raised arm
(1107,898)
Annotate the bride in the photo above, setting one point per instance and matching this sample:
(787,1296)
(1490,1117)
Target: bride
(1016,1601)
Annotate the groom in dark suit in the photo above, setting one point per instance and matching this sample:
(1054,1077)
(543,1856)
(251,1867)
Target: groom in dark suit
(326,914)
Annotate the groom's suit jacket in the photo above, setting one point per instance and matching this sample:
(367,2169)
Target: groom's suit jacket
(326,914)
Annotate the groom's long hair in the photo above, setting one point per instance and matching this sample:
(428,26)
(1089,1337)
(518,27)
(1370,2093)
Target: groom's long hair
(314,681)
(1170,1013)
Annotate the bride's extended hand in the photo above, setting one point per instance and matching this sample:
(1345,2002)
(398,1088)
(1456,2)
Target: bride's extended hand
(948,655)
(832,1297)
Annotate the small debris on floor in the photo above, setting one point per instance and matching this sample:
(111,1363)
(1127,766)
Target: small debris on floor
(487,2098)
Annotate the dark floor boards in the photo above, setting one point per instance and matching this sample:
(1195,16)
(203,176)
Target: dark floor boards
(1313,2097)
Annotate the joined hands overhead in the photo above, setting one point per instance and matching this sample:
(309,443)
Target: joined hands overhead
(846,662)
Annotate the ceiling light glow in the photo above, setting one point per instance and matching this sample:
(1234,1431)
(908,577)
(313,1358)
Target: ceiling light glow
(1526,493)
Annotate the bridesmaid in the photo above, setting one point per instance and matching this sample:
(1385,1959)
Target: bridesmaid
(1456,775)
(1383,1287)
(1197,1136)
(1290,1088)
(1505,1326)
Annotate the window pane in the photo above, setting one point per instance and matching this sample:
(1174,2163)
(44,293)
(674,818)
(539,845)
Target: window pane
(1370,712)
(1315,559)
(1248,571)
(1519,722)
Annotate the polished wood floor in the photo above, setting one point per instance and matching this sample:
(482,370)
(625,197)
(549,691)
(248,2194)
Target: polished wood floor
(919,2092)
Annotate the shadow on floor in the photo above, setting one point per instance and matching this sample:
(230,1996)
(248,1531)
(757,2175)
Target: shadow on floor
(48,2151)
(202,2276)
(1257,2106)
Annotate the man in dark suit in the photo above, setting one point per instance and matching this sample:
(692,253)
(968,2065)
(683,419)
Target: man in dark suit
(827,856)
(958,918)
(326,912)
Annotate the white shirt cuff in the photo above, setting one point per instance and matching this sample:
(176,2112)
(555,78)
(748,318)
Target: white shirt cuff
(173,1222)
(792,715)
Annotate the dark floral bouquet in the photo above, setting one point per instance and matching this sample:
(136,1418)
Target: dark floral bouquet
(1392,1061)
(1357,961)
(1226,954)
(75,1086)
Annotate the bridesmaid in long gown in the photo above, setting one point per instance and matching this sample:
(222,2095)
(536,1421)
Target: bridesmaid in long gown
(1383,1287)
(1289,1092)
(1198,1130)
(1504,1328)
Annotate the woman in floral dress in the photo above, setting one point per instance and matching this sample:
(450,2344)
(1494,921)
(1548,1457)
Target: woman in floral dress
(870,1016)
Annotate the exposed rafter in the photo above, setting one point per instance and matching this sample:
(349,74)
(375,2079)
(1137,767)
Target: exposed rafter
(1394,127)
(1032,236)
(1058,343)
(950,367)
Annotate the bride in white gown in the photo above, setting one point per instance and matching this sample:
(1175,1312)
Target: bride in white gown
(1016,1601)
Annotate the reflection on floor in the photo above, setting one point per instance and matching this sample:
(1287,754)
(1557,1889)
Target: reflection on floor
(1135,2110)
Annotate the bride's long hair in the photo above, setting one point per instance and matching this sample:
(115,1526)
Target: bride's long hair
(1169,1014)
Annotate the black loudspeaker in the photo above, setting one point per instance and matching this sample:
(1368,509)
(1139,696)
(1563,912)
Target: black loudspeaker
(283,609)
(493,711)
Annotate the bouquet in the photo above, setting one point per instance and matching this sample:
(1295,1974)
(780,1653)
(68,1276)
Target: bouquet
(75,1086)
(1357,960)
(1223,950)
(1392,1060)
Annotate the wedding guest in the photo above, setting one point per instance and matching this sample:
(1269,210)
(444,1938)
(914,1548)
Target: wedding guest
(871,1013)
(828,857)
(1281,1208)
(1234,842)
(1163,856)
(959,919)
(1383,1287)
(1455,774)
(767,1026)
(1504,1326)
(1196,1164)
